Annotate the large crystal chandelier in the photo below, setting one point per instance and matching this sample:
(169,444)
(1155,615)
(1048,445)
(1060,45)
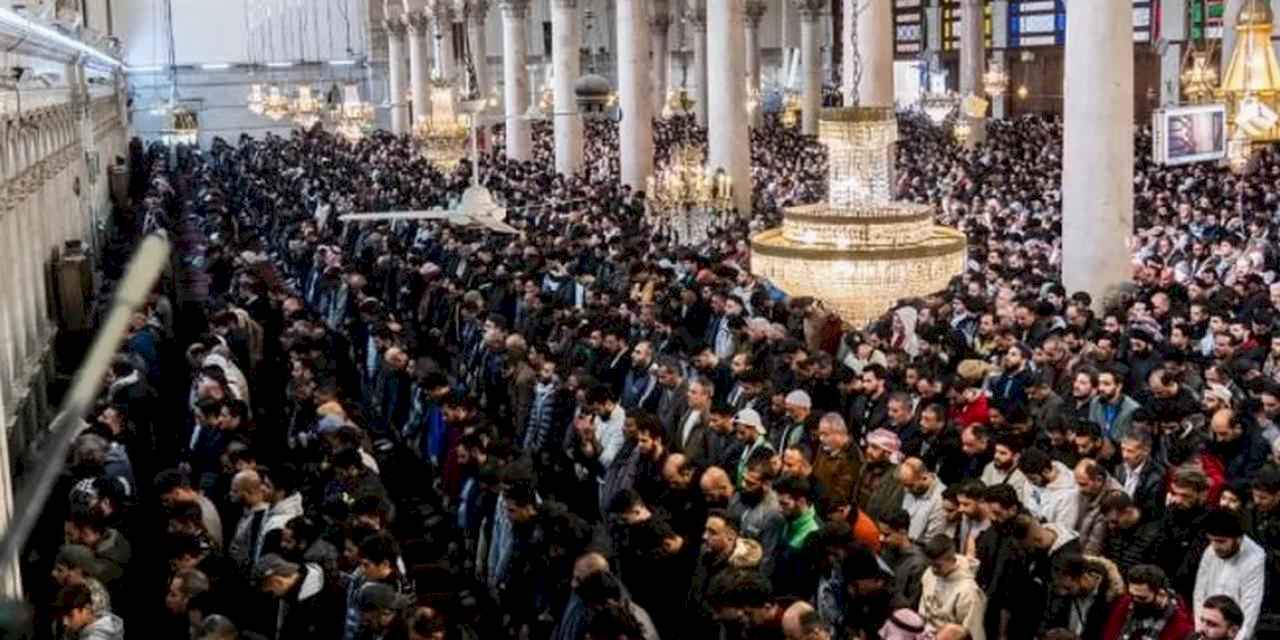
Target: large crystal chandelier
(939,105)
(443,134)
(861,251)
(353,118)
(276,105)
(306,108)
(257,99)
(686,200)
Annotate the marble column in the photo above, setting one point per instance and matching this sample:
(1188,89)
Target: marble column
(728,139)
(442,32)
(811,12)
(398,75)
(752,15)
(874,42)
(1097,162)
(698,25)
(419,25)
(635,96)
(1000,54)
(566,41)
(515,78)
(1230,11)
(477,12)
(1174,31)
(659,27)
(972,65)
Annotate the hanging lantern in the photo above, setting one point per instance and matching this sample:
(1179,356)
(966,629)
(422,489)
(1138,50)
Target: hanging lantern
(1199,77)
(995,81)
(1253,72)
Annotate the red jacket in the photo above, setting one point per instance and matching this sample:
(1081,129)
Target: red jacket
(975,412)
(1179,627)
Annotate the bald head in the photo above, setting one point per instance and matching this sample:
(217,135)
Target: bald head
(716,485)
(249,489)
(792,625)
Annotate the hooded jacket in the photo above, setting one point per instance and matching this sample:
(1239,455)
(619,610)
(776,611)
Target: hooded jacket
(954,599)
(108,626)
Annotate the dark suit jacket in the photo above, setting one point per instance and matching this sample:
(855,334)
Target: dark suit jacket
(700,446)
(867,415)
(1149,495)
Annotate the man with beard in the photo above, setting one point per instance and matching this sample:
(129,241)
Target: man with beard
(1094,483)
(868,592)
(550,410)
(870,409)
(1182,540)
(758,511)
(1149,611)
(682,496)
(640,386)
(903,556)
(1053,489)
(673,393)
(878,491)
(1083,386)
(1131,534)
(1220,618)
(1139,474)
(719,537)
(1010,388)
(1003,468)
(794,572)
(922,499)
(745,604)
(1241,451)
(837,464)
(1233,565)
(1002,567)
(1112,409)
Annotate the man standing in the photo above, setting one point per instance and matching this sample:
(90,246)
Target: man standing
(1053,489)
(1234,566)
(836,465)
(922,500)
(1003,468)
(1150,609)
(950,595)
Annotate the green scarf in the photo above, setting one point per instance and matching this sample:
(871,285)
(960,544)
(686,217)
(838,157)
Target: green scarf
(800,528)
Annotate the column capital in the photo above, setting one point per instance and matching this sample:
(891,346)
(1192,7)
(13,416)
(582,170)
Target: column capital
(754,13)
(564,4)
(396,27)
(697,13)
(477,10)
(514,8)
(418,22)
(442,12)
(810,9)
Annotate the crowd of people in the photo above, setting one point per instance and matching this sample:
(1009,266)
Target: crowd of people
(411,431)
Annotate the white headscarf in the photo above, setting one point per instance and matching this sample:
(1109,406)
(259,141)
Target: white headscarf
(908,316)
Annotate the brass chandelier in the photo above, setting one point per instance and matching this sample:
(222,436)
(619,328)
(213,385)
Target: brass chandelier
(442,135)
(685,199)
(860,251)
(353,118)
